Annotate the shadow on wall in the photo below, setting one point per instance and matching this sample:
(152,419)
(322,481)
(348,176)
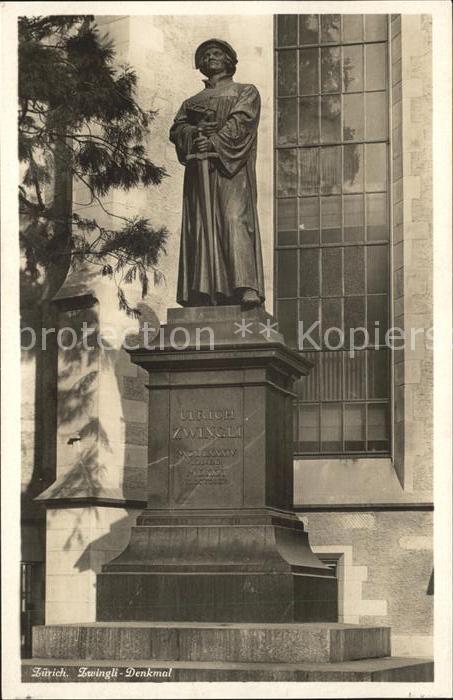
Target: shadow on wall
(88,465)
(39,316)
(103,549)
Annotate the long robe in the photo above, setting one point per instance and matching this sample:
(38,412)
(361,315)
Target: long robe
(237,246)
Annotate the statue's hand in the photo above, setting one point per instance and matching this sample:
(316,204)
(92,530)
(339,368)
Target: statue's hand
(202,144)
(208,128)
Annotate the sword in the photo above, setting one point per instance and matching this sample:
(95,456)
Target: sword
(206,211)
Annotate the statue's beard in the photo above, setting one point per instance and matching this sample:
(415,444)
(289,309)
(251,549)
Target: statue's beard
(209,71)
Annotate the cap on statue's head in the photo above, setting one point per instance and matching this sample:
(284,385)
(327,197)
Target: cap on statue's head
(230,52)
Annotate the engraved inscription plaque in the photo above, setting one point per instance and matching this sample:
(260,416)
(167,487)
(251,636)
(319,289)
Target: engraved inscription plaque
(206,448)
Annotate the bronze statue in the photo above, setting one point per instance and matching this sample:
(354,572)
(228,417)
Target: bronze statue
(215,134)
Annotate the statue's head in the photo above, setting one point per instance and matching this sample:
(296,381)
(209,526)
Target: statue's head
(215,56)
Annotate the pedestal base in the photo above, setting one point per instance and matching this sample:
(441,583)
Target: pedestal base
(188,652)
(242,567)
(236,643)
(219,541)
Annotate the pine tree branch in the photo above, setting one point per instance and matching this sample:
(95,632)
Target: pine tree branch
(96,198)
(59,113)
(124,150)
(32,168)
(24,110)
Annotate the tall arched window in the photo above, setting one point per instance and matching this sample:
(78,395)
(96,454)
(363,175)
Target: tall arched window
(332,225)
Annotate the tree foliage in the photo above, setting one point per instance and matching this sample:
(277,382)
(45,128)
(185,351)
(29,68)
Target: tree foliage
(79,120)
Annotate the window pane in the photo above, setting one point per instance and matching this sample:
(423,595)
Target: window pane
(330,118)
(286,30)
(287,214)
(331,272)
(309,428)
(287,273)
(330,28)
(377,309)
(377,269)
(307,388)
(309,120)
(287,122)
(354,318)
(287,172)
(331,219)
(308,72)
(353,117)
(287,221)
(354,427)
(331,322)
(309,315)
(353,169)
(354,270)
(308,171)
(287,321)
(375,27)
(377,217)
(353,218)
(378,426)
(331,170)
(331,428)
(287,238)
(378,374)
(376,166)
(309,272)
(331,375)
(308,29)
(352,28)
(309,220)
(286,72)
(352,69)
(354,374)
(330,70)
(376,115)
(376,56)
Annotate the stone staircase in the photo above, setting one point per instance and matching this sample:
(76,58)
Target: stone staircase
(221,652)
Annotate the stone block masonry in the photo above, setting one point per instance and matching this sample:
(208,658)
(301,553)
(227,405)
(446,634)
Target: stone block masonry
(412,236)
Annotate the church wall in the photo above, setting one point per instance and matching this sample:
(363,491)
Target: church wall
(391,534)
(79,540)
(413,249)
(387,576)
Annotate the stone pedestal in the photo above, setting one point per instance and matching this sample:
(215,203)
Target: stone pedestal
(251,643)
(219,540)
(220,652)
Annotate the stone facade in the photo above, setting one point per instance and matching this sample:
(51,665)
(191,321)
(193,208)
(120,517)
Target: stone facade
(372,515)
(386,570)
(413,247)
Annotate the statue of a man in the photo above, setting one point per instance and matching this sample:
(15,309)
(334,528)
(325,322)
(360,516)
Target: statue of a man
(215,134)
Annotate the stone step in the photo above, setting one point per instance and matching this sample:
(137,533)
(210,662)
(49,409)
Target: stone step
(388,669)
(218,642)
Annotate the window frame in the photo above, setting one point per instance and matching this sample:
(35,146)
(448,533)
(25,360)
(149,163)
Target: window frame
(364,244)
